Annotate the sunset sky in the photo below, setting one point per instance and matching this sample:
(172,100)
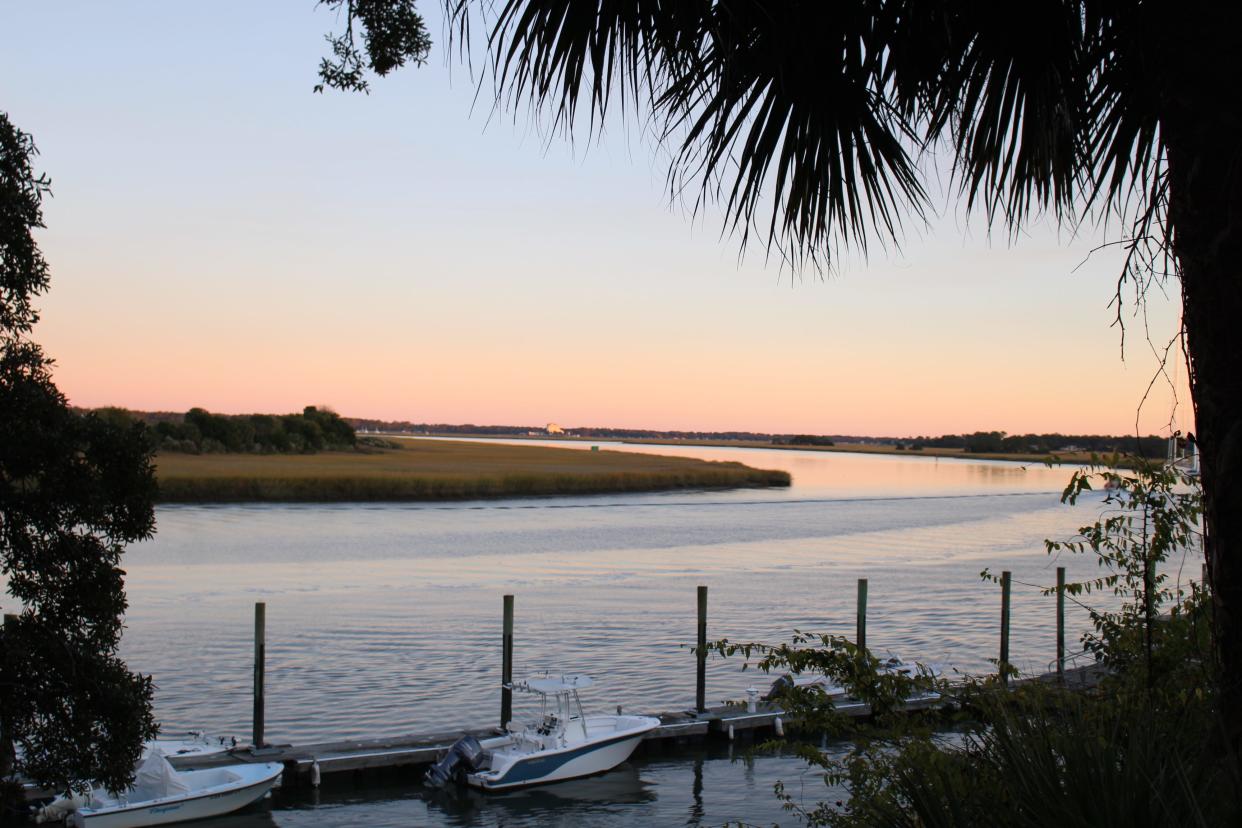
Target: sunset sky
(220,236)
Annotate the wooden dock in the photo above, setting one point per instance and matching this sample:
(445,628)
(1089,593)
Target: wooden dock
(419,749)
(308,762)
(415,750)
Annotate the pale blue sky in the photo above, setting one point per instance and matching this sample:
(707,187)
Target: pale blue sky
(221,236)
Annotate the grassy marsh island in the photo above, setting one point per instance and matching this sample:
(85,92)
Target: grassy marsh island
(439,470)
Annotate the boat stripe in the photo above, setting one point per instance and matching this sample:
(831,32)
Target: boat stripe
(538,766)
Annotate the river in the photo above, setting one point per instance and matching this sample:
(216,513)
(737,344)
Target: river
(385,618)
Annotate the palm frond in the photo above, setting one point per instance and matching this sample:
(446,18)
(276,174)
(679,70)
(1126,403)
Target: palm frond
(804,120)
(767,113)
(1008,88)
(761,102)
(1123,143)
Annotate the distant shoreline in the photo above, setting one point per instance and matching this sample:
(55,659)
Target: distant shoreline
(1068,458)
(1072,458)
(438,470)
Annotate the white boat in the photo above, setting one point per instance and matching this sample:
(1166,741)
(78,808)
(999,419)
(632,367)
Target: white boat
(162,795)
(192,743)
(564,744)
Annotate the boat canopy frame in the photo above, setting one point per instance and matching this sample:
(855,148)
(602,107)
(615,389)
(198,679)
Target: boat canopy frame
(563,690)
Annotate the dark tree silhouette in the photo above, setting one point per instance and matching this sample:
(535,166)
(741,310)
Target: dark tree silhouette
(392,32)
(808,119)
(73,491)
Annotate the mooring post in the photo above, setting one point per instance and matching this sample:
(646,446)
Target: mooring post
(1061,624)
(700,691)
(506,666)
(260,653)
(861,636)
(1004,642)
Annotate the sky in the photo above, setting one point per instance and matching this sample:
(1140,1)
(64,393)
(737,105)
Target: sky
(220,236)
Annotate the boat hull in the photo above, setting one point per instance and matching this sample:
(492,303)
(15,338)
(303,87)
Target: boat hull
(571,762)
(164,812)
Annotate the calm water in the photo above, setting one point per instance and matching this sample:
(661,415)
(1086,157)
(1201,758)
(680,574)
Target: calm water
(385,619)
(707,787)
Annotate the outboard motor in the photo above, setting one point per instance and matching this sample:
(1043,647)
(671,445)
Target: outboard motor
(464,756)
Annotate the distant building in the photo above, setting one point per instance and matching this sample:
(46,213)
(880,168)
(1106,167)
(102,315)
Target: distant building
(553,428)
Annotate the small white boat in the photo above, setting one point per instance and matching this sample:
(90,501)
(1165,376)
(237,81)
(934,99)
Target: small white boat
(564,744)
(192,743)
(162,795)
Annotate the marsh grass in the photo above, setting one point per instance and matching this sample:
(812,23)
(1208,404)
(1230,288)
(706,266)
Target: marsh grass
(439,470)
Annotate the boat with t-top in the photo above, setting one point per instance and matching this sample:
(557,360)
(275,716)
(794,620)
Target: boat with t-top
(564,743)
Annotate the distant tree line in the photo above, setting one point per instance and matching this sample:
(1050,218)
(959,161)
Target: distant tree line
(979,442)
(646,434)
(996,442)
(199,431)
(803,440)
(522,431)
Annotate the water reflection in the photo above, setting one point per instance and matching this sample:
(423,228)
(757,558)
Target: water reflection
(696,793)
(623,785)
(256,816)
(697,786)
(858,474)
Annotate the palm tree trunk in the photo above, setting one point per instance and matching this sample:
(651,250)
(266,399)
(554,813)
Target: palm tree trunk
(1205,211)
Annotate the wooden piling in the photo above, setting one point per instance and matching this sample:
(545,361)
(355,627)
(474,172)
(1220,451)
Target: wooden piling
(260,654)
(700,692)
(1060,625)
(861,624)
(506,665)
(1004,642)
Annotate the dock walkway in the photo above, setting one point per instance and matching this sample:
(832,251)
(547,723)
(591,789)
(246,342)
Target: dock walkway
(416,749)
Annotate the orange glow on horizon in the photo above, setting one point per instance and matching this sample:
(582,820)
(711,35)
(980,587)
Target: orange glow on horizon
(221,237)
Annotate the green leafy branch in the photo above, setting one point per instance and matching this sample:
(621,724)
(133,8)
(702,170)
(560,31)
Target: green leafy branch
(393,33)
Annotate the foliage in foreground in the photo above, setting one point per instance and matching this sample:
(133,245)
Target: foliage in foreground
(1046,756)
(1145,747)
(74,490)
